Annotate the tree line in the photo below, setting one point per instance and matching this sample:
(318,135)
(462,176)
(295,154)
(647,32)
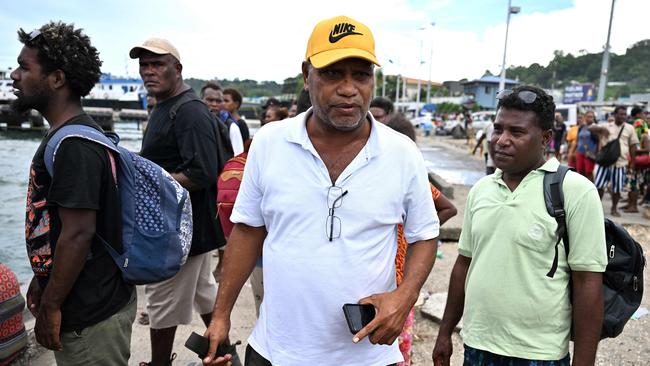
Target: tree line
(252,88)
(630,69)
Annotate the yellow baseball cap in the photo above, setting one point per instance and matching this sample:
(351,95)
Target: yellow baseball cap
(339,38)
(159,46)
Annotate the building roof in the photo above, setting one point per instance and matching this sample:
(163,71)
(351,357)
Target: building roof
(490,79)
(413,81)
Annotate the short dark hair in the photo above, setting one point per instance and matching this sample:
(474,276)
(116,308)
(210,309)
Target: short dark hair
(383,103)
(210,85)
(304,102)
(62,47)
(636,110)
(235,95)
(280,112)
(543,105)
(619,107)
(271,102)
(401,124)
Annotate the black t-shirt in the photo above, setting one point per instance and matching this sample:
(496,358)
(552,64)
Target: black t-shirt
(223,129)
(243,127)
(188,144)
(82,180)
(558,132)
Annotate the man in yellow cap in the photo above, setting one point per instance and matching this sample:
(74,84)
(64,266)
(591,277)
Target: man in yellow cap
(321,197)
(183,138)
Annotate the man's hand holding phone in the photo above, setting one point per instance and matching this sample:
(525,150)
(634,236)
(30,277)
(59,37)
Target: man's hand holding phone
(391,308)
(217,333)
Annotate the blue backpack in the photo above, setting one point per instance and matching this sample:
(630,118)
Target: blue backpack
(156,210)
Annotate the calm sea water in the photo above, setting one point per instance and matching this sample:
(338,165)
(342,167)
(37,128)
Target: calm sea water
(16,152)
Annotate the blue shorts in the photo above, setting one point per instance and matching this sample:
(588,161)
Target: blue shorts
(477,357)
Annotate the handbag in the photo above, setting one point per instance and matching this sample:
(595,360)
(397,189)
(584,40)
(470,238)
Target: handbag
(610,153)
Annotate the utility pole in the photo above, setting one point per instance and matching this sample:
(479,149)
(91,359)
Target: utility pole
(417,102)
(604,68)
(429,81)
(511,10)
(397,88)
(428,100)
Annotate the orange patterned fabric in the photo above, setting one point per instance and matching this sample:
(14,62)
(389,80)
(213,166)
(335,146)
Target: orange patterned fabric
(405,339)
(13,337)
(402,245)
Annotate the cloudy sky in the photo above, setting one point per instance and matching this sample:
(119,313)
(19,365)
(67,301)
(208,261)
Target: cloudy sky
(266,40)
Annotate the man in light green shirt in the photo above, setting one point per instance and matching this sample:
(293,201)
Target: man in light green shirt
(513,313)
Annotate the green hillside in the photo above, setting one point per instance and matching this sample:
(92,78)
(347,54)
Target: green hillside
(632,68)
(253,88)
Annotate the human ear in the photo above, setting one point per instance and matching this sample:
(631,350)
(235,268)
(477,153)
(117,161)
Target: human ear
(306,66)
(546,138)
(56,79)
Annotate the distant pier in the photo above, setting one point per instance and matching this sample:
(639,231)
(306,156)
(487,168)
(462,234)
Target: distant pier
(33,120)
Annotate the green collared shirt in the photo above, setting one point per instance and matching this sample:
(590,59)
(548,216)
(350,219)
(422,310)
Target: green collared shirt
(511,307)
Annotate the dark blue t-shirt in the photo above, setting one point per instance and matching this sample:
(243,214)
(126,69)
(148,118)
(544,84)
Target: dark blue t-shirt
(587,141)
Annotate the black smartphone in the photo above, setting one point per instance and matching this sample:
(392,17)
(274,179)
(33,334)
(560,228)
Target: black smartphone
(358,316)
(200,345)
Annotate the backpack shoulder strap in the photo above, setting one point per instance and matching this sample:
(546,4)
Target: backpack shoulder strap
(78,131)
(554,200)
(620,132)
(185,98)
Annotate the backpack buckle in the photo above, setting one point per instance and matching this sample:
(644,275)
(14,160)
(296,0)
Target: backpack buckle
(635,285)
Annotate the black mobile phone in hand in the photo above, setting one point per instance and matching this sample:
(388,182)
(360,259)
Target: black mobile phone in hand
(358,316)
(200,345)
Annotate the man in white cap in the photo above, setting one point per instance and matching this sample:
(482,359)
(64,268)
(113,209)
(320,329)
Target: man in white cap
(182,137)
(321,198)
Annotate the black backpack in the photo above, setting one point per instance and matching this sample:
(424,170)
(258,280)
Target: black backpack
(609,154)
(224,147)
(623,278)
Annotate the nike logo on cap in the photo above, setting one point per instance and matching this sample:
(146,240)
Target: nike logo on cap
(342,30)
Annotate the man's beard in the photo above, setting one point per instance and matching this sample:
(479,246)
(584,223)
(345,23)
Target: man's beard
(24,103)
(343,127)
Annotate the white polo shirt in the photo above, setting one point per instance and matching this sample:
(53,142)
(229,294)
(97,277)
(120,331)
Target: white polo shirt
(307,278)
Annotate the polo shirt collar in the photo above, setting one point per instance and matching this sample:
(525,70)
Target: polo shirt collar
(298,134)
(550,166)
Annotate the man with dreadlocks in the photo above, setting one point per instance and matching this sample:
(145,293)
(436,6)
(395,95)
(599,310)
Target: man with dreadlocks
(83,307)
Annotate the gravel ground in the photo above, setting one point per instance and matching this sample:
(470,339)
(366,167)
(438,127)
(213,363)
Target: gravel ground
(630,348)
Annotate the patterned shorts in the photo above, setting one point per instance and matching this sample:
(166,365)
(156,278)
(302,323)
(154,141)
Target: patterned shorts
(477,357)
(611,174)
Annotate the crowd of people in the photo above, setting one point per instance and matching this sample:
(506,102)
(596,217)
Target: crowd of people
(335,207)
(580,145)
